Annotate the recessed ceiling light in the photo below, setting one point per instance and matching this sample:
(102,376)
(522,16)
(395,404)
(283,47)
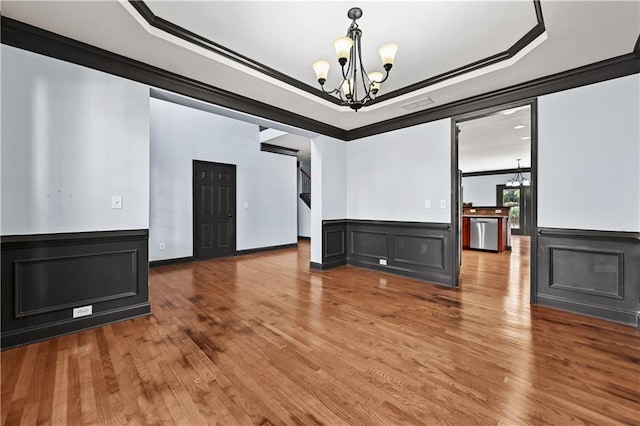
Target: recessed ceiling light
(508,111)
(519,126)
(524,138)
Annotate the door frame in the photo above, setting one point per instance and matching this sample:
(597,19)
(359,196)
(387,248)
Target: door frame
(193,204)
(455,208)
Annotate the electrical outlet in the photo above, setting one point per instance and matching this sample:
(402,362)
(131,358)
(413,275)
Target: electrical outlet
(427,204)
(162,246)
(116,201)
(383,261)
(83,311)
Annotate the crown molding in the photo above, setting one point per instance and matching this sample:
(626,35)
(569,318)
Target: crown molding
(497,172)
(608,69)
(277,149)
(27,37)
(34,39)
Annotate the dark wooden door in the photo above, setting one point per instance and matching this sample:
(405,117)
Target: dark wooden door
(214,210)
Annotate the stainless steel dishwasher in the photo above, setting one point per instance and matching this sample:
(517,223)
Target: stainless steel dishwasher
(484,233)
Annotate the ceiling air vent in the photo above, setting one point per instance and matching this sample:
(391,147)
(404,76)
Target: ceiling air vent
(417,104)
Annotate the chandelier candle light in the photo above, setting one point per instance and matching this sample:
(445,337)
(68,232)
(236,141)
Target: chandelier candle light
(518,179)
(354,76)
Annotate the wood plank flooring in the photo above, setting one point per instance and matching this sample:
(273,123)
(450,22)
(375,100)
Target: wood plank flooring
(259,339)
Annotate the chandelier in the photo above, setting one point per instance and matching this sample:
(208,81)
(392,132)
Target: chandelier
(357,87)
(518,179)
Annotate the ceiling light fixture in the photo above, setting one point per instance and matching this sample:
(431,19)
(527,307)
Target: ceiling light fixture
(519,126)
(524,138)
(509,111)
(518,179)
(354,76)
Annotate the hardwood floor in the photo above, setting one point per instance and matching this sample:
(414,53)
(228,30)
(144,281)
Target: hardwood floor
(259,339)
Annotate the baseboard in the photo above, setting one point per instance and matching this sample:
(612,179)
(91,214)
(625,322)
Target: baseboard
(300,237)
(432,278)
(173,261)
(601,312)
(316,266)
(334,264)
(73,325)
(268,248)
(188,259)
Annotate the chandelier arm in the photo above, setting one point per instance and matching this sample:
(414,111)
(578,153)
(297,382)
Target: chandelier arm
(386,76)
(345,74)
(330,92)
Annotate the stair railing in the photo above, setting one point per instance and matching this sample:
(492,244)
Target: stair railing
(305,186)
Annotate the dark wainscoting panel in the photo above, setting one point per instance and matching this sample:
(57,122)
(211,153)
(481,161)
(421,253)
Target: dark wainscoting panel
(334,243)
(44,277)
(368,244)
(415,249)
(596,273)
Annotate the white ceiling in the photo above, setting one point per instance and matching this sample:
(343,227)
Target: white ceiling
(302,144)
(433,36)
(493,142)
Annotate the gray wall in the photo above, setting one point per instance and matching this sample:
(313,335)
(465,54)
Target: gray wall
(266,182)
(71,138)
(328,187)
(589,200)
(384,177)
(481,190)
(589,157)
(304,212)
(390,176)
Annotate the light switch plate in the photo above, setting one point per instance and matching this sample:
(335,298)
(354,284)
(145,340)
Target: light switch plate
(116,201)
(246,205)
(427,204)
(383,261)
(443,204)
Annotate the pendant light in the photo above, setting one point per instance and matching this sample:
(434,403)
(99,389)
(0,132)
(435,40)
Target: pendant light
(518,179)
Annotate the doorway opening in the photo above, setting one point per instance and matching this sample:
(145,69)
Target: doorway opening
(494,156)
(518,199)
(214,210)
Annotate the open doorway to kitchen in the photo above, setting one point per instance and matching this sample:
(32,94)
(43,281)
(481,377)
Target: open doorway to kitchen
(494,155)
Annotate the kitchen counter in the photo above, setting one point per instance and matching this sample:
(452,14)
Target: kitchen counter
(493,235)
(485,215)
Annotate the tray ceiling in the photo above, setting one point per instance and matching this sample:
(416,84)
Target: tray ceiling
(434,37)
